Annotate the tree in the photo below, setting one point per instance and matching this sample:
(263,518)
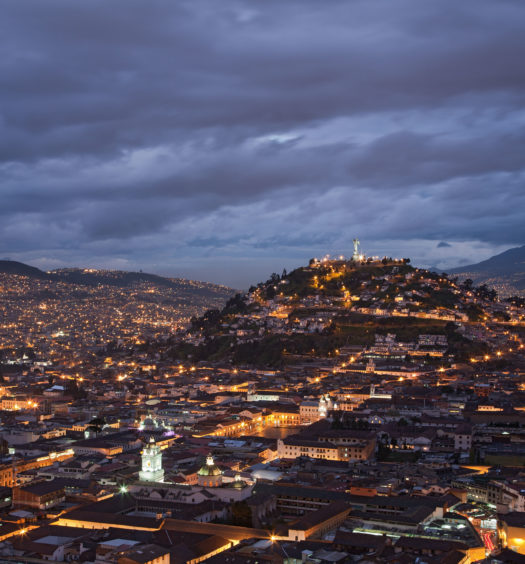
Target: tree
(236,304)
(516,301)
(337,420)
(76,391)
(241,514)
(97,424)
(474,312)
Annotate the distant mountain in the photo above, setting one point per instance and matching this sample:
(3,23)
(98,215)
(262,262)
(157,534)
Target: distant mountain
(21,269)
(505,272)
(119,278)
(90,277)
(85,309)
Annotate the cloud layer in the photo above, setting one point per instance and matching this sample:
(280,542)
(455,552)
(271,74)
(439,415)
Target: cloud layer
(225,140)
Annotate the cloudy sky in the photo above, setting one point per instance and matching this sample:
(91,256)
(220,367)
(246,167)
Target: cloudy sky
(226,139)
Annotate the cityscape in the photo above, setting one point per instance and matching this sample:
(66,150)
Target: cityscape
(355,408)
(262,282)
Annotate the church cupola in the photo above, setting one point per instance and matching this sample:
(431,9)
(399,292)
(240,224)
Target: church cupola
(210,474)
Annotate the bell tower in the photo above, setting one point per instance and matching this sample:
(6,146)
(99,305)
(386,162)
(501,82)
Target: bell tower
(152,470)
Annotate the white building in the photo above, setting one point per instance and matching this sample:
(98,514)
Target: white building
(152,470)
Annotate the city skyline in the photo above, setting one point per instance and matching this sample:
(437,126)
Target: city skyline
(225,142)
(262,295)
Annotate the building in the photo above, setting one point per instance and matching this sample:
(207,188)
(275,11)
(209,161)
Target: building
(210,474)
(42,495)
(152,470)
(511,529)
(312,411)
(323,448)
(315,524)
(148,554)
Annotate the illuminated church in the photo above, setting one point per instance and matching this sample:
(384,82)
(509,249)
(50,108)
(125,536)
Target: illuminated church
(210,474)
(211,484)
(152,470)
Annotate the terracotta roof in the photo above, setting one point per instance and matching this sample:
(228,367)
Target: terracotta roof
(314,518)
(43,488)
(143,554)
(417,543)
(359,540)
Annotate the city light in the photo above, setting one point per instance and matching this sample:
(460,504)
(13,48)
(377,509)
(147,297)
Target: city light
(314,374)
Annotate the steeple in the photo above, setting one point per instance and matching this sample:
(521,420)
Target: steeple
(152,470)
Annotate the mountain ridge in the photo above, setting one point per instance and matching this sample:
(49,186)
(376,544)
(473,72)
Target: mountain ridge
(20,269)
(505,271)
(503,261)
(94,277)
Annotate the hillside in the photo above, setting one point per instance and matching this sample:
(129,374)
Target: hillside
(314,311)
(20,269)
(118,278)
(84,309)
(504,272)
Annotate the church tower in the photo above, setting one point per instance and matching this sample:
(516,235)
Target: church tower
(152,470)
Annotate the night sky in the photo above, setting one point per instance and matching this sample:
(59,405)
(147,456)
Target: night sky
(223,140)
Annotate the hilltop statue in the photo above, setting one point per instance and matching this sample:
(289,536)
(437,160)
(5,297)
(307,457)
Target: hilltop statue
(356,256)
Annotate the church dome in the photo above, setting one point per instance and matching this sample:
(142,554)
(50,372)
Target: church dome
(210,468)
(238,484)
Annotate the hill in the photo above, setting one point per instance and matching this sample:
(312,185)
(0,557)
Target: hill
(117,278)
(20,269)
(82,309)
(314,311)
(504,272)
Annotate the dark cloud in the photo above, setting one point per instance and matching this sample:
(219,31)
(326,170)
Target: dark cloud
(197,135)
